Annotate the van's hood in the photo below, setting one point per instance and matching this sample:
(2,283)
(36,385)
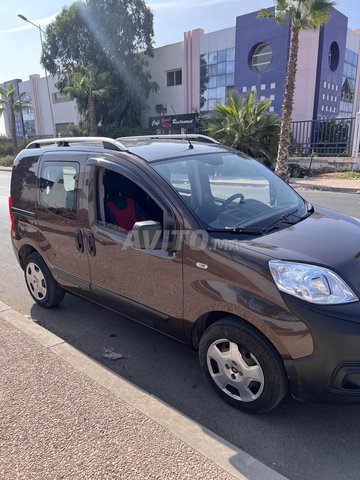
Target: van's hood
(325,238)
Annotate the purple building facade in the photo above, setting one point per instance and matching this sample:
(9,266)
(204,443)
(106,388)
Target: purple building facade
(261,52)
(253,56)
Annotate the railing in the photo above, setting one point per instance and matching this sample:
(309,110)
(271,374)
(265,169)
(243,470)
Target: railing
(325,138)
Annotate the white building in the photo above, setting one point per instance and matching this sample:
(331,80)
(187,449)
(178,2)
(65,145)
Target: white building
(38,120)
(64,110)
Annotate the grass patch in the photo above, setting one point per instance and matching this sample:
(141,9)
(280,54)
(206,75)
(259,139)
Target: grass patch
(351,175)
(6,161)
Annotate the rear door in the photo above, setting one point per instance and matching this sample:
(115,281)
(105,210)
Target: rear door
(146,285)
(60,216)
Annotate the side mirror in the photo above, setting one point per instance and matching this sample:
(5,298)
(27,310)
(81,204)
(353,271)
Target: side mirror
(147,235)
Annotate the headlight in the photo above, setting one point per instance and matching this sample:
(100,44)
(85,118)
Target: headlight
(311,283)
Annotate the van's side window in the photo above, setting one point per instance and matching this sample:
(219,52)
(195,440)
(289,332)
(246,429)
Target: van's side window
(58,187)
(121,202)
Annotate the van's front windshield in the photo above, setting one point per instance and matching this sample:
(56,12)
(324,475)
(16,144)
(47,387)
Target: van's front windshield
(227,191)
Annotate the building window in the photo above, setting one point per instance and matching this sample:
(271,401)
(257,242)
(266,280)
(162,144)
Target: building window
(216,77)
(272,86)
(263,86)
(347,90)
(272,97)
(333,57)
(271,109)
(244,89)
(174,77)
(58,97)
(260,57)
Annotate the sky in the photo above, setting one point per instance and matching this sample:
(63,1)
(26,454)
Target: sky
(20,43)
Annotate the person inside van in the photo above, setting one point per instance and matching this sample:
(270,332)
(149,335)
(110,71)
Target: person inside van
(124,202)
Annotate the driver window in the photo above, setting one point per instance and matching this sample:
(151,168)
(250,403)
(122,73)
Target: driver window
(121,203)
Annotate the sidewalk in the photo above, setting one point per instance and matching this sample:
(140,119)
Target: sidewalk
(328,182)
(63,415)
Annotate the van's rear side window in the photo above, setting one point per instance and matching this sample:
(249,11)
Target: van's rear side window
(58,187)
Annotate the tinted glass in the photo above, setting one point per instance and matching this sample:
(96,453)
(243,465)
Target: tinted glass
(225,190)
(58,188)
(178,77)
(170,79)
(261,57)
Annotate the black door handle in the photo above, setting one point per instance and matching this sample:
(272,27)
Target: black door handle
(79,241)
(91,244)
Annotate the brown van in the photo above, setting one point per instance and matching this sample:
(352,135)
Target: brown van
(204,244)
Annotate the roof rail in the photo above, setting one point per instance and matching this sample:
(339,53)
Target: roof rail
(108,143)
(179,136)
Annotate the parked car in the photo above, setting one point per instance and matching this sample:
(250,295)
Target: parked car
(204,244)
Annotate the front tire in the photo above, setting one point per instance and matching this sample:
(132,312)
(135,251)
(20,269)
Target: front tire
(41,284)
(242,366)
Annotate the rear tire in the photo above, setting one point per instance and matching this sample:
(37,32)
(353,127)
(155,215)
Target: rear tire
(41,284)
(242,366)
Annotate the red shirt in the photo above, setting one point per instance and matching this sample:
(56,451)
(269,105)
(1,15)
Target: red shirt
(126,217)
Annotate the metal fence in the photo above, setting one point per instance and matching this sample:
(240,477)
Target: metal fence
(325,138)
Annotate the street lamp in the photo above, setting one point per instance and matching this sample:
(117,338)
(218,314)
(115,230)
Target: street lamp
(41,31)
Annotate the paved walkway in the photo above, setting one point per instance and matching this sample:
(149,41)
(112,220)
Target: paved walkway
(328,181)
(64,416)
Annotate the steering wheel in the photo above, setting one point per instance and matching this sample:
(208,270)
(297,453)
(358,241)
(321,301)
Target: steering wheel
(229,200)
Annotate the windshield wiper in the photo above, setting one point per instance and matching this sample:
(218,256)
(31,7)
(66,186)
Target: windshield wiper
(250,231)
(268,228)
(283,219)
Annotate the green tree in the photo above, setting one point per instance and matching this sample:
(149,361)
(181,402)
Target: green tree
(302,15)
(246,124)
(114,37)
(84,87)
(13,102)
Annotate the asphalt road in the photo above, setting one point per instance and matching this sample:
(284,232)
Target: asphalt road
(301,441)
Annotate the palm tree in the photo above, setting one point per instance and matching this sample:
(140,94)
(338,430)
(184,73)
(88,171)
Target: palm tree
(302,15)
(245,124)
(85,86)
(13,102)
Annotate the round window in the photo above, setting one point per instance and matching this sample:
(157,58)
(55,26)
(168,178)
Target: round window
(260,57)
(334,55)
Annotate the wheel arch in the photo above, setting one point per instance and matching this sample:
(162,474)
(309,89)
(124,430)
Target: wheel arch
(206,320)
(25,251)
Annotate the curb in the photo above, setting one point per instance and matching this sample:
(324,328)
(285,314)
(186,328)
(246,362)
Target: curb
(325,188)
(228,457)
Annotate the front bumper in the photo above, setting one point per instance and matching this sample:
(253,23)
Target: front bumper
(332,372)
